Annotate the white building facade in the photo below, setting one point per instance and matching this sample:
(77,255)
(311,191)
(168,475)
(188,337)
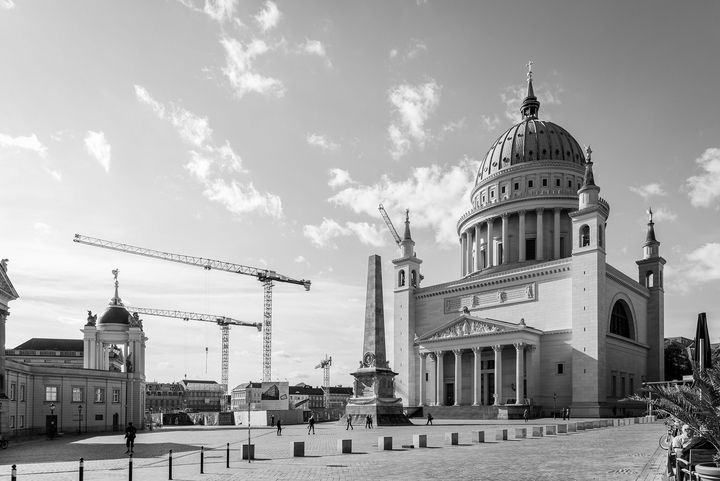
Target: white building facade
(537,317)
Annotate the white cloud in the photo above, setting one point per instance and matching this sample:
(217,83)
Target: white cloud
(490,124)
(705,188)
(300,259)
(453,126)
(436,197)
(322,142)
(648,190)
(338,178)
(416,48)
(7,4)
(214,166)
(99,148)
(42,227)
(413,106)
(663,214)
(315,47)
(705,262)
(268,17)
(241,199)
(27,142)
(323,234)
(513,96)
(239,71)
(192,129)
(219,10)
(393,53)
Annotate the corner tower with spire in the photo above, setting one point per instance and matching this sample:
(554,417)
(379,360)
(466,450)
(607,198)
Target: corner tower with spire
(407,278)
(650,275)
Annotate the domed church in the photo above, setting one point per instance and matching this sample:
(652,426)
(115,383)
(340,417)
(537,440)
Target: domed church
(538,317)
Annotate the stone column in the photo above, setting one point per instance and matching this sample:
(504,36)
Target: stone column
(521,236)
(423,386)
(3,318)
(498,374)
(505,239)
(519,371)
(489,246)
(463,254)
(439,380)
(556,234)
(458,375)
(478,258)
(539,237)
(470,262)
(477,394)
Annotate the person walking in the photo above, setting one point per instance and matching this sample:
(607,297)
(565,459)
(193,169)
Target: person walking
(526,414)
(130,433)
(429,420)
(311,424)
(367,421)
(279,427)
(349,423)
(272,420)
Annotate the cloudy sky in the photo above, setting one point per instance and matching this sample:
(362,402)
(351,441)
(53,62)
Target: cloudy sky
(266,133)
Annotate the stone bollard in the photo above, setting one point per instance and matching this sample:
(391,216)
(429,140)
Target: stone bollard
(537,431)
(572,427)
(385,443)
(550,430)
(596,424)
(634,420)
(580,426)
(299,449)
(250,451)
(478,436)
(344,446)
(520,433)
(501,435)
(451,439)
(420,440)
(562,428)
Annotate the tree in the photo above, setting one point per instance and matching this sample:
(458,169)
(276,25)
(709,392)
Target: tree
(677,363)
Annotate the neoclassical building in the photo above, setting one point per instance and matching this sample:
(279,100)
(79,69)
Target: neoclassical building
(538,316)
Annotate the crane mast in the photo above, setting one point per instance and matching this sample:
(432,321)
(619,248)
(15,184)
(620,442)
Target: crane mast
(267,277)
(222,321)
(325,366)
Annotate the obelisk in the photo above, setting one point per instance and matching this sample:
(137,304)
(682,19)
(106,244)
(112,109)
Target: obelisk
(373,390)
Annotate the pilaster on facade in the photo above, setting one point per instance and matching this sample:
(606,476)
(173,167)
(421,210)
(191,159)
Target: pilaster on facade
(519,372)
(521,238)
(439,379)
(539,246)
(477,376)
(422,384)
(498,373)
(505,239)
(458,376)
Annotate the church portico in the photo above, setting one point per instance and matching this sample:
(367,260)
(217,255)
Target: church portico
(472,362)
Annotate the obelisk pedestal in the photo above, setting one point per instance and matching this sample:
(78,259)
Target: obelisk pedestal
(373,389)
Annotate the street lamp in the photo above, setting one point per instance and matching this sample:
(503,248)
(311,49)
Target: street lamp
(79,418)
(52,409)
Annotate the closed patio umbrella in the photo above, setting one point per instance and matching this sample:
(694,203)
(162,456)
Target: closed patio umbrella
(702,357)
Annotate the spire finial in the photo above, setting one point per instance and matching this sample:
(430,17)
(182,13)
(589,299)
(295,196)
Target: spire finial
(529,72)
(649,212)
(588,153)
(116,300)
(530,106)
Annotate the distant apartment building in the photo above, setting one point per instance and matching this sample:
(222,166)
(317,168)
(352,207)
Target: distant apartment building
(164,397)
(202,395)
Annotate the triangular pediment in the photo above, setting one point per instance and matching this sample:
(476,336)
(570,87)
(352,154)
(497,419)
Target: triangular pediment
(7,291)
(467,325)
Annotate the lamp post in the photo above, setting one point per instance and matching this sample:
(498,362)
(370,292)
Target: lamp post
(79,418)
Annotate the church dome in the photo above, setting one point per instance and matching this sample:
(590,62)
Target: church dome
(115,314)
(531,140)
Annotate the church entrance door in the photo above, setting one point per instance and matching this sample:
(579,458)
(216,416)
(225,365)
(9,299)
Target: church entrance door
(449,393)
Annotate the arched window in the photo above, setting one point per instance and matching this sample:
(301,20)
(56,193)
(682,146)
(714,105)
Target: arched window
(649,279)
(584,236)
(413,278)
(621,322)
(600,236)
(401,278)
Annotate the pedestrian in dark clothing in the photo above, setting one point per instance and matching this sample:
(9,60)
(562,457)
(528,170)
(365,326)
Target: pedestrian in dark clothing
(370,420)
(526,414)
(567,413)
(272,420)
(429,420)
(564,413)
(349,423)
(130,437)
(279,428)
(311,424)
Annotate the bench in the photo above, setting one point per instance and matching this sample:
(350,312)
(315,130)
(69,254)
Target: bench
(687,466)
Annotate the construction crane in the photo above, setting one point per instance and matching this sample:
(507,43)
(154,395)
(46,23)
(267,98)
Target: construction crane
(390,225)
(325,366)
(222,321)
(267,277)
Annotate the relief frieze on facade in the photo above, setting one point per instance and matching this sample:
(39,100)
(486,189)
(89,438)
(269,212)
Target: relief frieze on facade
(509,295)
(467,327)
